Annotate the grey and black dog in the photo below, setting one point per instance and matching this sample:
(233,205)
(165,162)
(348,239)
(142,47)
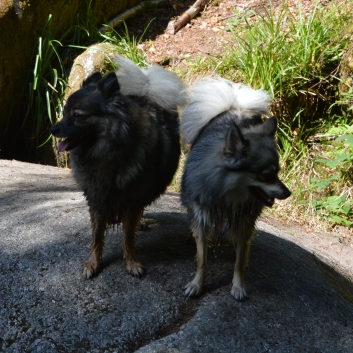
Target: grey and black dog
(231,169)
(122,134)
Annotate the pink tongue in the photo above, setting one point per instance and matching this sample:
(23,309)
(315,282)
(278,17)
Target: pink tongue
(63,146)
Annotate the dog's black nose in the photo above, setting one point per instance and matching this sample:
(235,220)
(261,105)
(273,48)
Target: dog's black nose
(286,193)
(54,130)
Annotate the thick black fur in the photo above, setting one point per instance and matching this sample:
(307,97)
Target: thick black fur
(124,151)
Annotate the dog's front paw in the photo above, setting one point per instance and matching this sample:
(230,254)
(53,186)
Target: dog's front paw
(90,269)
(238,293)
(192,289)
(135,268)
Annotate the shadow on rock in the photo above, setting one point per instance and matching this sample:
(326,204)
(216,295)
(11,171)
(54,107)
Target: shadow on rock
(297,303)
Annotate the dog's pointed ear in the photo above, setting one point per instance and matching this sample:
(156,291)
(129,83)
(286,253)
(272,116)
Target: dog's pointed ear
(92,79)
(270,126)
(235,144)
(109,84)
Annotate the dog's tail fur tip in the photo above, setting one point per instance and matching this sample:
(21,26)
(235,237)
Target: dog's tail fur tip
(156,83)
(212,96)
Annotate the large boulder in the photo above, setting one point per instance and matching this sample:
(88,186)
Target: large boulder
(21,22)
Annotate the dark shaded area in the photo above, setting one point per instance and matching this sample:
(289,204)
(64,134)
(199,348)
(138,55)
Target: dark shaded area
(17,138)
(21,26)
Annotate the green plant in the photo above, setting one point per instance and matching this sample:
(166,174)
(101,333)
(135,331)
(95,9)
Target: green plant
(53,57)
(48,80)
(337,207)
(127,45)
(45,86)
(294,57)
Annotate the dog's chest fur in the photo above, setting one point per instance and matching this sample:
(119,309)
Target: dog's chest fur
(211,191)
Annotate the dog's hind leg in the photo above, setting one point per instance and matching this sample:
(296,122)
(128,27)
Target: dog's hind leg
(242,237)
(131,220)
(99,225)
(201,235)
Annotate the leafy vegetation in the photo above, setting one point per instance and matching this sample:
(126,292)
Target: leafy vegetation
(46,84)
(297,58)
(52,62)
(336,204)
(294,57)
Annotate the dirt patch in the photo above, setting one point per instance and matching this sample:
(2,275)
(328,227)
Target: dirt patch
(205,35)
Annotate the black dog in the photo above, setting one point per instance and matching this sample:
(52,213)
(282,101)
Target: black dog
(124,144)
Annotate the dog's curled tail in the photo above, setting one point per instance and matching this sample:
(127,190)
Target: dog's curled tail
(159,85)
(213,96)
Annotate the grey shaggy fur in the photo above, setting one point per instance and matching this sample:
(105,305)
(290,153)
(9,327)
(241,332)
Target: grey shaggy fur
(231,170)
(212,96)
(148,83)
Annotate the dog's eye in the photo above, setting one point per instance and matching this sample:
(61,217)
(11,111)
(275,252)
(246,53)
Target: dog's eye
(77,115)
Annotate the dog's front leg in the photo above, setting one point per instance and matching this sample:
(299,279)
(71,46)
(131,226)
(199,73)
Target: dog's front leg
(131,220)
(99,225)
(194,288)
(243,246)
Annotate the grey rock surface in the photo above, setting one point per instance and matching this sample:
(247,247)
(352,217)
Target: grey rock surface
(300,290)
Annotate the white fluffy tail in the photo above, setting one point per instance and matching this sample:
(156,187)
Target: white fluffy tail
(213,96)
(156,83)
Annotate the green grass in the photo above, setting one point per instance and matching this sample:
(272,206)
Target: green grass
(127,45)
(52,59)
(296,58)
(46,86)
